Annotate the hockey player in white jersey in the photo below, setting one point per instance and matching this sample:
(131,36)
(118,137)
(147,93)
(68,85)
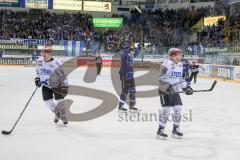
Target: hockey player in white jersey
(170,84)
(51,77)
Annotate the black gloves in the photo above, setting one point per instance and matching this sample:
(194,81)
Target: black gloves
(188,90)
(38,82)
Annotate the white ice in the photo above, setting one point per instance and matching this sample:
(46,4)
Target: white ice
(212,134)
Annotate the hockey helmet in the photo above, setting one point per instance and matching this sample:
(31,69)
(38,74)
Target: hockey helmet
(174,51)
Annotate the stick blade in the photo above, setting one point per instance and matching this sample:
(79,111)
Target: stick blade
(6,132)
(213,85)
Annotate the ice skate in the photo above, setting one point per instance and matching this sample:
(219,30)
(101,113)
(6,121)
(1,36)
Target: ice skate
(64,120)
(122,109)
(133,109)
(176,133)
(57,115)
(161,134)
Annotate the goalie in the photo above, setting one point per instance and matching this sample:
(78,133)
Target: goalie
(170,84)
(51,77)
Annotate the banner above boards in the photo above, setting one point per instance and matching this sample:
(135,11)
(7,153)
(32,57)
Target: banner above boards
(9,3)
(97,6)
(37,4)
(107,22)
(74,5)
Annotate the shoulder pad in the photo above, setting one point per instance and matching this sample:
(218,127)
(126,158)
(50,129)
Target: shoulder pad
(40,61)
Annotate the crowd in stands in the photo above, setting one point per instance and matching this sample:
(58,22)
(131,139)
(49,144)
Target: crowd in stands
(45,25)
(160,28)
(224,34)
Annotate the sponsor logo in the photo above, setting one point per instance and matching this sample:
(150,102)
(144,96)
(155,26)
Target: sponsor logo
(13,46)
(45,71)
(176,74)
(18,61)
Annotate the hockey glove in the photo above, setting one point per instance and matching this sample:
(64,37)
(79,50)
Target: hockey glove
(165,88)
(188,90)
(62,90)
(38,82)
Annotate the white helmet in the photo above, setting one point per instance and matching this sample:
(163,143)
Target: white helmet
(174,51)
(47,49)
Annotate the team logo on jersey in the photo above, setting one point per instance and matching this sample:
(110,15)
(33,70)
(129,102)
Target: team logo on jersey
(44,71)
(173,66)
(176,74)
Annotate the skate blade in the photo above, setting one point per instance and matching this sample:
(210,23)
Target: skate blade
(121,111)
(134,111)
(161,137)
(176,136)
(61,125)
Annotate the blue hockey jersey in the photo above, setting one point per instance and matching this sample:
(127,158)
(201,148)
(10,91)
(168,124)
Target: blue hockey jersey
(127,62)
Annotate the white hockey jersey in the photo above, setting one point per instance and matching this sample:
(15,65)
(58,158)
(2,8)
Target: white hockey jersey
(172,73)
(52,69)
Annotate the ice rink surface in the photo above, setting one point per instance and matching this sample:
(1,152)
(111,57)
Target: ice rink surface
(212,132)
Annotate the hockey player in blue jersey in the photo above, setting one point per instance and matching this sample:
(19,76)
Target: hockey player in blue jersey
(186,66)
(127,76)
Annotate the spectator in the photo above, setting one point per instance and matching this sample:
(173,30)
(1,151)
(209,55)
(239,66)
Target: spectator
(1,54)
(161,28)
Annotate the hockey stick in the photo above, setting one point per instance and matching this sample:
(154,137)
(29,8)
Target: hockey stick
(205,90)
(178,83)
(9,132)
